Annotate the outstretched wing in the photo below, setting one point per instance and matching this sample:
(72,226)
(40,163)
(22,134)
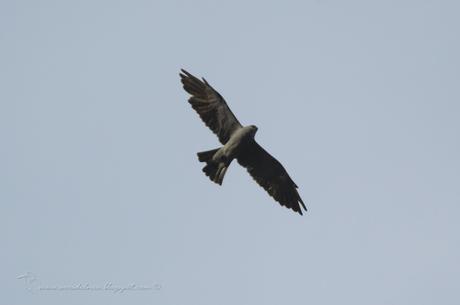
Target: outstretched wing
(211,106)
(271,175)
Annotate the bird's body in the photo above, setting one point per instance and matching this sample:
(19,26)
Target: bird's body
(238,143)
(218,160)
(239,139)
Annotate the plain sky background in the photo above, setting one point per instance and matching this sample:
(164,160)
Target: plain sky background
(99,183)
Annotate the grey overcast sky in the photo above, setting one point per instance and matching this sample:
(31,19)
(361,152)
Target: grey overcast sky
(100,186)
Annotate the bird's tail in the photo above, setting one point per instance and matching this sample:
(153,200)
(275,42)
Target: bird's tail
(214,170)
(206,156)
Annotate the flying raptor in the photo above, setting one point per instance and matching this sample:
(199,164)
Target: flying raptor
(238,143)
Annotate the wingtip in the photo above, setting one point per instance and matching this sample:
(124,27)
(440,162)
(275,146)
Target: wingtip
(303,206)
(183,73)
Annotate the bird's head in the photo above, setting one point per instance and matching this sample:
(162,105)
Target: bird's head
(253,129)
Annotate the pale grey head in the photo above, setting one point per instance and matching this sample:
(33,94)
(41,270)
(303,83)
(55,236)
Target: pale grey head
(253,130)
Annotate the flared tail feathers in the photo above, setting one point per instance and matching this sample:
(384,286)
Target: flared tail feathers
(215,170)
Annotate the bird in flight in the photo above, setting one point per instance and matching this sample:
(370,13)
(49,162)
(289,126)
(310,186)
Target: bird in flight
(238,143)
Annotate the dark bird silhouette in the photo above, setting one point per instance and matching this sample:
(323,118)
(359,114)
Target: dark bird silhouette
(238,143)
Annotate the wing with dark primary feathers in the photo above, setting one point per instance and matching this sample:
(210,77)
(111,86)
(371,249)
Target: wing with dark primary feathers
(272,176)
(211,106)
